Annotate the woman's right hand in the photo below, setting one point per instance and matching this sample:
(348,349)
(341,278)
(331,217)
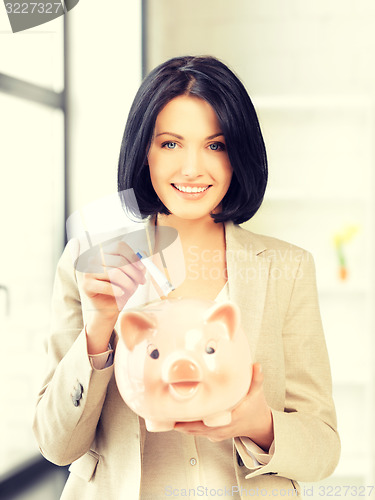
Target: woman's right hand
(107,292)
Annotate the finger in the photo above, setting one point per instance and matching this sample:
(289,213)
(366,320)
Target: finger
(120,248)
(115,275)
(114,260)
(122,251)
(136,271)
(214,434)
(121,255)
(190,427)
(119,279)
(133,270)
(102,287)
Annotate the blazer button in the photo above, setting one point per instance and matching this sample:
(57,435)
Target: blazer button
(77,394)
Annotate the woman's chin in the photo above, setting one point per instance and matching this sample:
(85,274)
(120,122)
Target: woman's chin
(191,216)
(192,213)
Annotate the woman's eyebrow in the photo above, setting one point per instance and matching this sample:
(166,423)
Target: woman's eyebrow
(181,138)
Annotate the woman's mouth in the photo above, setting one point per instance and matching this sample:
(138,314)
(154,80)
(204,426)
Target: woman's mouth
(183,188)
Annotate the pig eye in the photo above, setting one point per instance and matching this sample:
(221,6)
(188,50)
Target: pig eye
(210,347)
(152,351)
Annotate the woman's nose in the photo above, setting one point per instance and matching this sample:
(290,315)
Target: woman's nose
(191,164)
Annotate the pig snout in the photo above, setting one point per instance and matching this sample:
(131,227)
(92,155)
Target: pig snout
(183,370)
(183,376)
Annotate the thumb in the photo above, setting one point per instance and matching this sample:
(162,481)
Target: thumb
(258,377)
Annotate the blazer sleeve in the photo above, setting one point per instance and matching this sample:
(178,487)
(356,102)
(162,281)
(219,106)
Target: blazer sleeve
(71,399)
(306,443)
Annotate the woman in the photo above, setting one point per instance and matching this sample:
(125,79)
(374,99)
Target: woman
(194,154)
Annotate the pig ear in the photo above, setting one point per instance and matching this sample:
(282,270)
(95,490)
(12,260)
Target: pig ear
(134,327)
(227,313)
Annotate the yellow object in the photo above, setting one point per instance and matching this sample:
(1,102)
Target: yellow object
(344,236)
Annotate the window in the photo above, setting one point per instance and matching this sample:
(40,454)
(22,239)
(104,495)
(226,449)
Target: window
(32,123)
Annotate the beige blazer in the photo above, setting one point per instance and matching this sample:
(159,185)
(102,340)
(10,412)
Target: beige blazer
(273,283)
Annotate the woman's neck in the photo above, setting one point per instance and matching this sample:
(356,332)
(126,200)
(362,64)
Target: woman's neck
(198,231)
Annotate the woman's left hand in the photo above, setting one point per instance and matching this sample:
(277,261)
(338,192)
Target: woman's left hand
(251,418)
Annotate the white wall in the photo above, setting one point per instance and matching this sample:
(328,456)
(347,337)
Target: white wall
(104,74)
(277,47)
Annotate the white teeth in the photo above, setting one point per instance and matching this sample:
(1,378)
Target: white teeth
(188,189)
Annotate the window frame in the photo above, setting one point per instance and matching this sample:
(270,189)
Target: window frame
(34,470)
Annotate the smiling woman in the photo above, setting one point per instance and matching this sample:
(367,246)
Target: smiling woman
(193,152)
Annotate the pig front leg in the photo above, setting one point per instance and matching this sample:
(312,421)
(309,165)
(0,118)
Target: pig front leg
(219,419)
(158,426)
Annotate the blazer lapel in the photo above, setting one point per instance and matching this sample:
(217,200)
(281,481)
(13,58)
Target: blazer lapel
(248,270)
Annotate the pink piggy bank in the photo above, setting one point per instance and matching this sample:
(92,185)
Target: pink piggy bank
(182,360)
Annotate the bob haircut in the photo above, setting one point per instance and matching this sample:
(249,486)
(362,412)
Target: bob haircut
(207,78)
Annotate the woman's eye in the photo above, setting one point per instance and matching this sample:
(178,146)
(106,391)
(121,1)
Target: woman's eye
(217,146)
(169,145)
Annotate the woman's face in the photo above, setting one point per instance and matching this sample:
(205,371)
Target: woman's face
(189,165)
